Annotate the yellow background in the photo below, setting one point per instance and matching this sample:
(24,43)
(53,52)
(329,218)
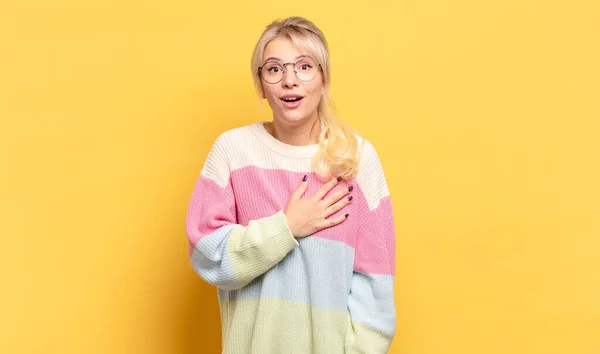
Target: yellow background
(485,114)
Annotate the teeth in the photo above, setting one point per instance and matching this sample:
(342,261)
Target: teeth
(291,99)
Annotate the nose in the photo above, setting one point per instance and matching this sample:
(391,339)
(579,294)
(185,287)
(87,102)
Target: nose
(289,77)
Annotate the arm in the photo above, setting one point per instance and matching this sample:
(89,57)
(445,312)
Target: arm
(224,253)
(371,307)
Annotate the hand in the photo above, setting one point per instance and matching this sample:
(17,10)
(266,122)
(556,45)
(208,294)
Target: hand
(308,216)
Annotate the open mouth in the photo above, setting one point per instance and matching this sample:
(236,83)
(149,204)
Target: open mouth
(291,99)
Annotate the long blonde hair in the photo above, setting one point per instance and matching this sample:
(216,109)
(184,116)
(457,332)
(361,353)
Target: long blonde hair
(339,156)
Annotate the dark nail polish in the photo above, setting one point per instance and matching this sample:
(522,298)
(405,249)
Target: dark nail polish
(350,188)
(305,178)
(349,198)
(339,179)
(347,216)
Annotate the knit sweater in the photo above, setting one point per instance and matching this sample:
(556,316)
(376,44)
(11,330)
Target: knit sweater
(330,292)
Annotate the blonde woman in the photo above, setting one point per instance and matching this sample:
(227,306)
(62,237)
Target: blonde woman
(291,219)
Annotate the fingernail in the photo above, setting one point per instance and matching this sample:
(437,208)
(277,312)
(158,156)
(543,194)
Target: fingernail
(347,216)
(349,198)
(350,188)
(339,179)
(305,178)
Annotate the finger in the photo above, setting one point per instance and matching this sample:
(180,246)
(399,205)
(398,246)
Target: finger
(325,188)
(337,220)
(337,206)
(301,188)
(337,195)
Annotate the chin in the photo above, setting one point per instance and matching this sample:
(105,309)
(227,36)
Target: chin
(293,118)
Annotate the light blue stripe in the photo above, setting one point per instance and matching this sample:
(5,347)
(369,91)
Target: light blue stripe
(318,272)
(211,260)
(371,301)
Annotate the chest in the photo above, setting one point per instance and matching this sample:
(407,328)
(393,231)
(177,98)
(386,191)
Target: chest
(261,192)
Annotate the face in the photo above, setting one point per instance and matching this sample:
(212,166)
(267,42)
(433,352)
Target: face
(305,109)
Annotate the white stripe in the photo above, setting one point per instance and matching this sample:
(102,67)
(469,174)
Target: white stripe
(242,147)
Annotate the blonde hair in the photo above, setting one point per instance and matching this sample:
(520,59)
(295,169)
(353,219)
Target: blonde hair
(339,156)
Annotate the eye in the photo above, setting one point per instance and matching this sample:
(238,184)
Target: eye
(273,68)
(305,66)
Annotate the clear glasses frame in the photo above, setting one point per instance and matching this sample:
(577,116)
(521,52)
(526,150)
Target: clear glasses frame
(284,70)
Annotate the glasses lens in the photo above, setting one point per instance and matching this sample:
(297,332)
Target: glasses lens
(272,72)
(306,69)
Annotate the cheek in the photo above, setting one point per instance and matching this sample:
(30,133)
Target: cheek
(273,101)
(269,96)
(316,92)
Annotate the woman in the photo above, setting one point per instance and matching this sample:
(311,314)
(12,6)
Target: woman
(291,219)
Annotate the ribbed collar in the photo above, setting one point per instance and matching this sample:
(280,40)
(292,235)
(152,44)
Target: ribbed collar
(299,152)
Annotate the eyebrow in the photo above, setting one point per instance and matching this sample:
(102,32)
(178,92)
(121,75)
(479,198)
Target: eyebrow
(302,56)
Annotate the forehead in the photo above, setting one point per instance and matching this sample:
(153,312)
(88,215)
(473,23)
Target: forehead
(284,49)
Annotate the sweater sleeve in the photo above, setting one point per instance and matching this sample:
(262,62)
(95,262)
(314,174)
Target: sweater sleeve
(371,307)
(224,253)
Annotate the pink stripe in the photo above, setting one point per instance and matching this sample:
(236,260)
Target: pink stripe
(210,208)
(262,192)
(376,246)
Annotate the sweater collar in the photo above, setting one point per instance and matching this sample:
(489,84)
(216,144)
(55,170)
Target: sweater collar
(299,152)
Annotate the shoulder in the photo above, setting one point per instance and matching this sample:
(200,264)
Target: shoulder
(233,142)
(369,161)
(223,150)
(368,152)
(370,177)
(233,136)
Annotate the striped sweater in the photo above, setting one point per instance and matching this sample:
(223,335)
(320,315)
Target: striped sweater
(331,292)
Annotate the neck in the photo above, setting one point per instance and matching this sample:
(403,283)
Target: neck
(299,134)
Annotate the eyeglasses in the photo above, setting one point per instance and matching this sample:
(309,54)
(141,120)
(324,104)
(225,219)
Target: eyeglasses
(272,71)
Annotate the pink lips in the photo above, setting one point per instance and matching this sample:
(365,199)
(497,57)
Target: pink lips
(291,104)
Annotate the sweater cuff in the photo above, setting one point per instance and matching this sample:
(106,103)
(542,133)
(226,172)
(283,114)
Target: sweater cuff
(283,236)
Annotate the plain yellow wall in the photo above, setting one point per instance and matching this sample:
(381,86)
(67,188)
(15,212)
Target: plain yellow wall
(485,114)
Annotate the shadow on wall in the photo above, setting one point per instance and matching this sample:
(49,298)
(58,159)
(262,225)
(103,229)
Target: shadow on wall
(199,318)
(177,312)
(196,324)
